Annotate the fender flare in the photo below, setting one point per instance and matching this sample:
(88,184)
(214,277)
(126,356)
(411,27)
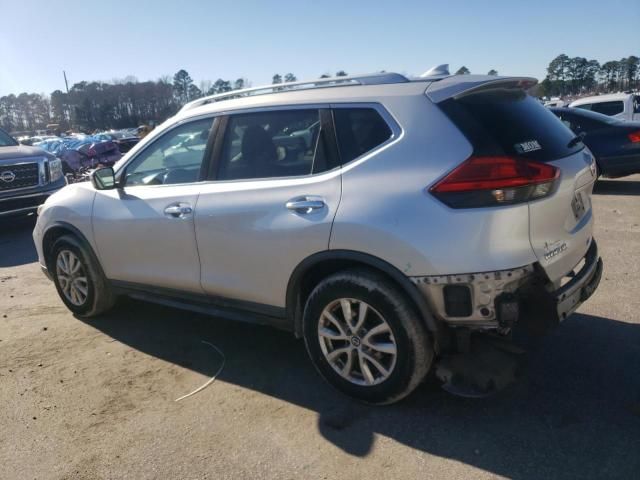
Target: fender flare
(75,231)
(294,309)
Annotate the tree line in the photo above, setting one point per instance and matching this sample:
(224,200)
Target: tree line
(121,103)
(128,102)
(570,76)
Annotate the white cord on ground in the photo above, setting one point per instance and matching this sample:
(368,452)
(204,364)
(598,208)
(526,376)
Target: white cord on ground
(210,381)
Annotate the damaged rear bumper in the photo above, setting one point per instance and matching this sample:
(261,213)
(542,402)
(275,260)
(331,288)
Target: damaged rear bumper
(581,286)
(499,300)
(510,306)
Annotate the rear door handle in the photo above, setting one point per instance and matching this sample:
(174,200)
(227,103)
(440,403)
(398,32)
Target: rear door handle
(178,210)
(305,205)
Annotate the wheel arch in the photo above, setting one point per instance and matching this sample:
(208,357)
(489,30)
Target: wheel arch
(55,231)
(314,268)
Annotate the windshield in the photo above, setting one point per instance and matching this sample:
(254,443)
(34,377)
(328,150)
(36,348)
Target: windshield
(6,140)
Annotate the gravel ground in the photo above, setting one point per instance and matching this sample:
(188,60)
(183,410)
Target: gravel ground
(95,399)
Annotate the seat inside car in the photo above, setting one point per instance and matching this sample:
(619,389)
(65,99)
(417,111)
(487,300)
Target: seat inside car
(258,154)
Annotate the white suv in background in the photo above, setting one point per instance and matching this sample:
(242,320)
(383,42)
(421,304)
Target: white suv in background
(382,219)
(625,106)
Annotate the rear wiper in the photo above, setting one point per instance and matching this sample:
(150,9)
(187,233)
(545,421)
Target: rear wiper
(576,140)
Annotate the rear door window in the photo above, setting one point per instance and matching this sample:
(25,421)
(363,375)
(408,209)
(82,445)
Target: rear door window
(282,143)
(608,108)
(359,130)
(505,121)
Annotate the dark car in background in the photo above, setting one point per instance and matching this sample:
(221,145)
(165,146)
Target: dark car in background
(123,139)
(28,175)
(614,143)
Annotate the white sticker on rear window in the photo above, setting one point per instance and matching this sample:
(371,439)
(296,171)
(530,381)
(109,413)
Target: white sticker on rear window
(528,146)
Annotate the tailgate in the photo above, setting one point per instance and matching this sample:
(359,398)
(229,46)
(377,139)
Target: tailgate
(500,120)
(560,226)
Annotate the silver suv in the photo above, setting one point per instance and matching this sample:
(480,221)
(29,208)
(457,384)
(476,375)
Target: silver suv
(386,221)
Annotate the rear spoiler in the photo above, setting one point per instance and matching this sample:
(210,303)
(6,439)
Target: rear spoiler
(457,86)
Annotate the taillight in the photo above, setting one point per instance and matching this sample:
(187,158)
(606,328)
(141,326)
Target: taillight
(635,137)
(492,181)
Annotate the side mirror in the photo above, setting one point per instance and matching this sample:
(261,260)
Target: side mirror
(104,179)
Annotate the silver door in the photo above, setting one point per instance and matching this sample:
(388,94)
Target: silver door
(145,231)
(252,232)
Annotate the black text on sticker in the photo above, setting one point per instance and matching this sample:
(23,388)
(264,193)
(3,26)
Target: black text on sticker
(528,146)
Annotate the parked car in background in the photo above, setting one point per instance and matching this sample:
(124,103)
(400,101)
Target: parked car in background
(28,176)
(35,139)
(555,102)
(123,139)
(614,143)
(386,221)
(623,106)
(81,152)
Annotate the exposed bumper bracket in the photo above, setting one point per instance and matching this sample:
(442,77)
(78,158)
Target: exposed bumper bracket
(571,295)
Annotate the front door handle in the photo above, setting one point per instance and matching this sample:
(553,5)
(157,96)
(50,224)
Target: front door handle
(178,210)
(306,204)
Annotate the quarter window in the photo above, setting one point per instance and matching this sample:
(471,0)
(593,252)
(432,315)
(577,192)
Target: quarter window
(283,143)
(175,157)
(359,130)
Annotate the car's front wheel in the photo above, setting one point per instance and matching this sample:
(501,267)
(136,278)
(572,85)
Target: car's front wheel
(365,337)
(79,279)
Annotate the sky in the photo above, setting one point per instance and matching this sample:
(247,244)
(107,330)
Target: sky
(105,40)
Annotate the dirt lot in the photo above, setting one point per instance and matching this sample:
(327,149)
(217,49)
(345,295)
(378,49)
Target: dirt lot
(95,399)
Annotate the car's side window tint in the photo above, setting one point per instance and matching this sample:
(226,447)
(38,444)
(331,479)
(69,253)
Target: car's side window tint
(608,108)
(175,157)
(359,130)
(282,143)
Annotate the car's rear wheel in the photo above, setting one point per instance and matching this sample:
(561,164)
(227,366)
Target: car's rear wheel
(365,337)
(79,278)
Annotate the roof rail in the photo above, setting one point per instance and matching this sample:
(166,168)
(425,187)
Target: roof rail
(368,79)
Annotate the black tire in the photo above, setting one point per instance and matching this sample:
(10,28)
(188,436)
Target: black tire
(99,298)
(414,348)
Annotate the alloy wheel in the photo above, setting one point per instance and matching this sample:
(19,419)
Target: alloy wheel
(357,341)
(72,277)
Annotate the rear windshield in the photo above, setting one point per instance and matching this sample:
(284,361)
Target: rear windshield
(597,117)
(510,122)
(587,119)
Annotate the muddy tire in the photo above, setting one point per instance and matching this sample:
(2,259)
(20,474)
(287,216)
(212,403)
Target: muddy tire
(79,279)
(365,338)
